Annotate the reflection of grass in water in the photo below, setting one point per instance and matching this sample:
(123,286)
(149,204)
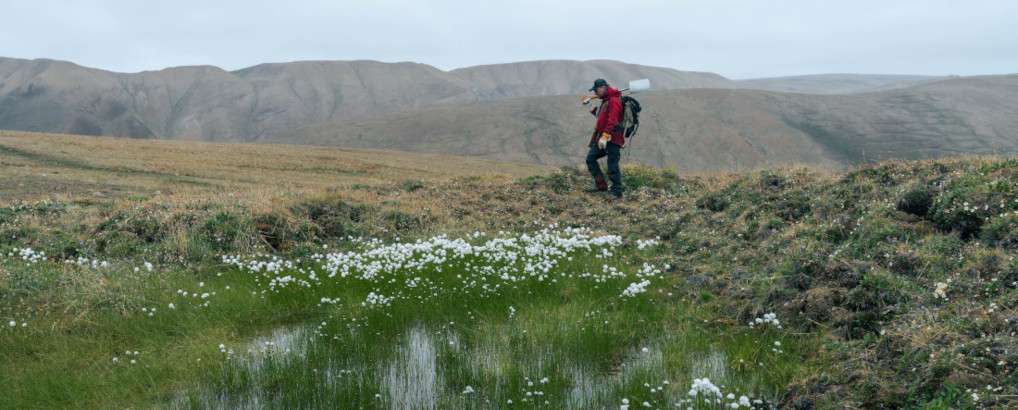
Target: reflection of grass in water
(569,339)
(424,370)
(566,336)
(412,379)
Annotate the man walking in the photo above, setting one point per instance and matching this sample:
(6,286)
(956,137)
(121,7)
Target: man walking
(606,141)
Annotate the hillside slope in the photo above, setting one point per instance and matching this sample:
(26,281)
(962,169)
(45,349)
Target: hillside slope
(709,129)
(565,77)
(523,112)
(837,83)
(210,104)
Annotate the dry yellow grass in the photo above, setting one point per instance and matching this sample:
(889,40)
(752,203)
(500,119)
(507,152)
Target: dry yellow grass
(35,166)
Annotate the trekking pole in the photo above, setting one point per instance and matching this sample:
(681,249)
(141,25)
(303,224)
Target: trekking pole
(635,86)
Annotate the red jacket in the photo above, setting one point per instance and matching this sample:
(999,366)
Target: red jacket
(609,115)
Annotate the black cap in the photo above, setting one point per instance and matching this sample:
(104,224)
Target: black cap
(600,82)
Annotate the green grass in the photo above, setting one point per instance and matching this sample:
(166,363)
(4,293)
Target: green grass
(575,331)
(850,263)
(495,335)
(67,349)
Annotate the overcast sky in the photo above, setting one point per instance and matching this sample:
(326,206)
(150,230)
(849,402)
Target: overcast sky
(737,39)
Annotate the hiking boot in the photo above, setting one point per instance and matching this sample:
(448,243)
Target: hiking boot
(594,190)
(614,197)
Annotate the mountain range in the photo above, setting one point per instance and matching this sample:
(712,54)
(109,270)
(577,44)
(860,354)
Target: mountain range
(527,111)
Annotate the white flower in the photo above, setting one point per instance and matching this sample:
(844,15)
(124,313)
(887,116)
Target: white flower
(704,386)
(636,288)
(941,290)
(13,323)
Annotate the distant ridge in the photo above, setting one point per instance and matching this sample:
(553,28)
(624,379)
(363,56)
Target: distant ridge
(563,77)
(837,83)
(525,112)
(711,129)
(209,104)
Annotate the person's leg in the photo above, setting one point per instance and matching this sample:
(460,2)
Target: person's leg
(595,169)
(614,152)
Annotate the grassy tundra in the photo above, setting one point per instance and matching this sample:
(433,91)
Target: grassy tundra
(158,274)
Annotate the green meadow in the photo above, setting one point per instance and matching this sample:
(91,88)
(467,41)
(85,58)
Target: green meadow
(890,285)
(560,318)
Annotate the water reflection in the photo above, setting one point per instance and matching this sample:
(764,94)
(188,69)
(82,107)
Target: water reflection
(413,377)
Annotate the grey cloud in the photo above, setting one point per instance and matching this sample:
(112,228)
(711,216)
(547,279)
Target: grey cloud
(737,39)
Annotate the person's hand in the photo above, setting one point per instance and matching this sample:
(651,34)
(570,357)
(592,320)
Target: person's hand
(603,141)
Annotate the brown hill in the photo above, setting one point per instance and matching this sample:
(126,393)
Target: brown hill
(210,104)
(710,129)
(522,111)
(187,103)
(562,77)
(972,115)
(836,83)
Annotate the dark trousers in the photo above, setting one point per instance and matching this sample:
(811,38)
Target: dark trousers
(614,152)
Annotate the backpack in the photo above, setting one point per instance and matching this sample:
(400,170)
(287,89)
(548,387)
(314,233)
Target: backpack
(630,117)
